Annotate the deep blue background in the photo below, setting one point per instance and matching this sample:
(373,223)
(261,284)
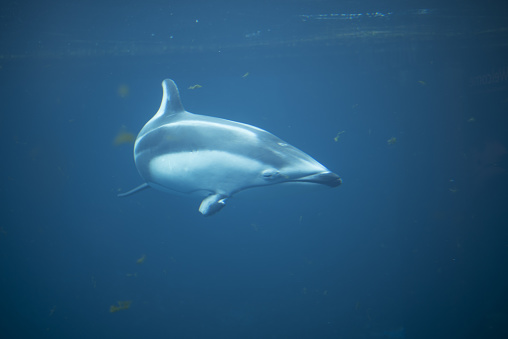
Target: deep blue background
(414,244)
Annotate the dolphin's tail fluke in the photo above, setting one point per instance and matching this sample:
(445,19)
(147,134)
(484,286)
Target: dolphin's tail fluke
(134,190)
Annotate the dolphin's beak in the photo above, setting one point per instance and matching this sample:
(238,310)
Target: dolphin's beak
(325,178)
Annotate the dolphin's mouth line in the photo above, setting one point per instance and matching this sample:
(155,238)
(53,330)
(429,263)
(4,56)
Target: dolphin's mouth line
(324,178)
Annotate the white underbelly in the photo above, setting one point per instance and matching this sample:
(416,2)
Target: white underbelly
(203,172)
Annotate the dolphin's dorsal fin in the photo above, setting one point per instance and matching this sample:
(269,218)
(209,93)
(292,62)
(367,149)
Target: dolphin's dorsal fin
(171,103)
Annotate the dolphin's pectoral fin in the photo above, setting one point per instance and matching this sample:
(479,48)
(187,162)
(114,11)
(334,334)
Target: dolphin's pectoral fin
(134,190)
(212,204)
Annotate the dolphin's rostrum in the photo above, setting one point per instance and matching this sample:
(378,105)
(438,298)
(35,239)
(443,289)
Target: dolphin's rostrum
(181,152)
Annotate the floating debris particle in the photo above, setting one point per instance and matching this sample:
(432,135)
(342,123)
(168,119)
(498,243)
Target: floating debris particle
(122,305)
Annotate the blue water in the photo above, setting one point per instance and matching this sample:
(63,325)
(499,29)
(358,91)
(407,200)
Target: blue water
(408,105)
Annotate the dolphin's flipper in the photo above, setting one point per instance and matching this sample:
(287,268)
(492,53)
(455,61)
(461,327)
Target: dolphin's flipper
(134,190)
(212,204)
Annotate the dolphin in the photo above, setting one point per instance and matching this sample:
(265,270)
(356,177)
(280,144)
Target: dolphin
(181,152)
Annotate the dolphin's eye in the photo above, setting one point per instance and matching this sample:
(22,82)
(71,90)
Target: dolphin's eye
(270,174)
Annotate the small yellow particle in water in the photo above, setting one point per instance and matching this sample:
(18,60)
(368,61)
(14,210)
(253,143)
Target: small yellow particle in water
(122,305)
(453,189)
(245,75)
(338,135)
(391,141)
(123,91)
(124,137)
(421,82)
(196,86)
(141,260)
(472,119)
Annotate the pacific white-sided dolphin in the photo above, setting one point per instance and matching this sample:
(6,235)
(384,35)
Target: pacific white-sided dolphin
(181,152)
